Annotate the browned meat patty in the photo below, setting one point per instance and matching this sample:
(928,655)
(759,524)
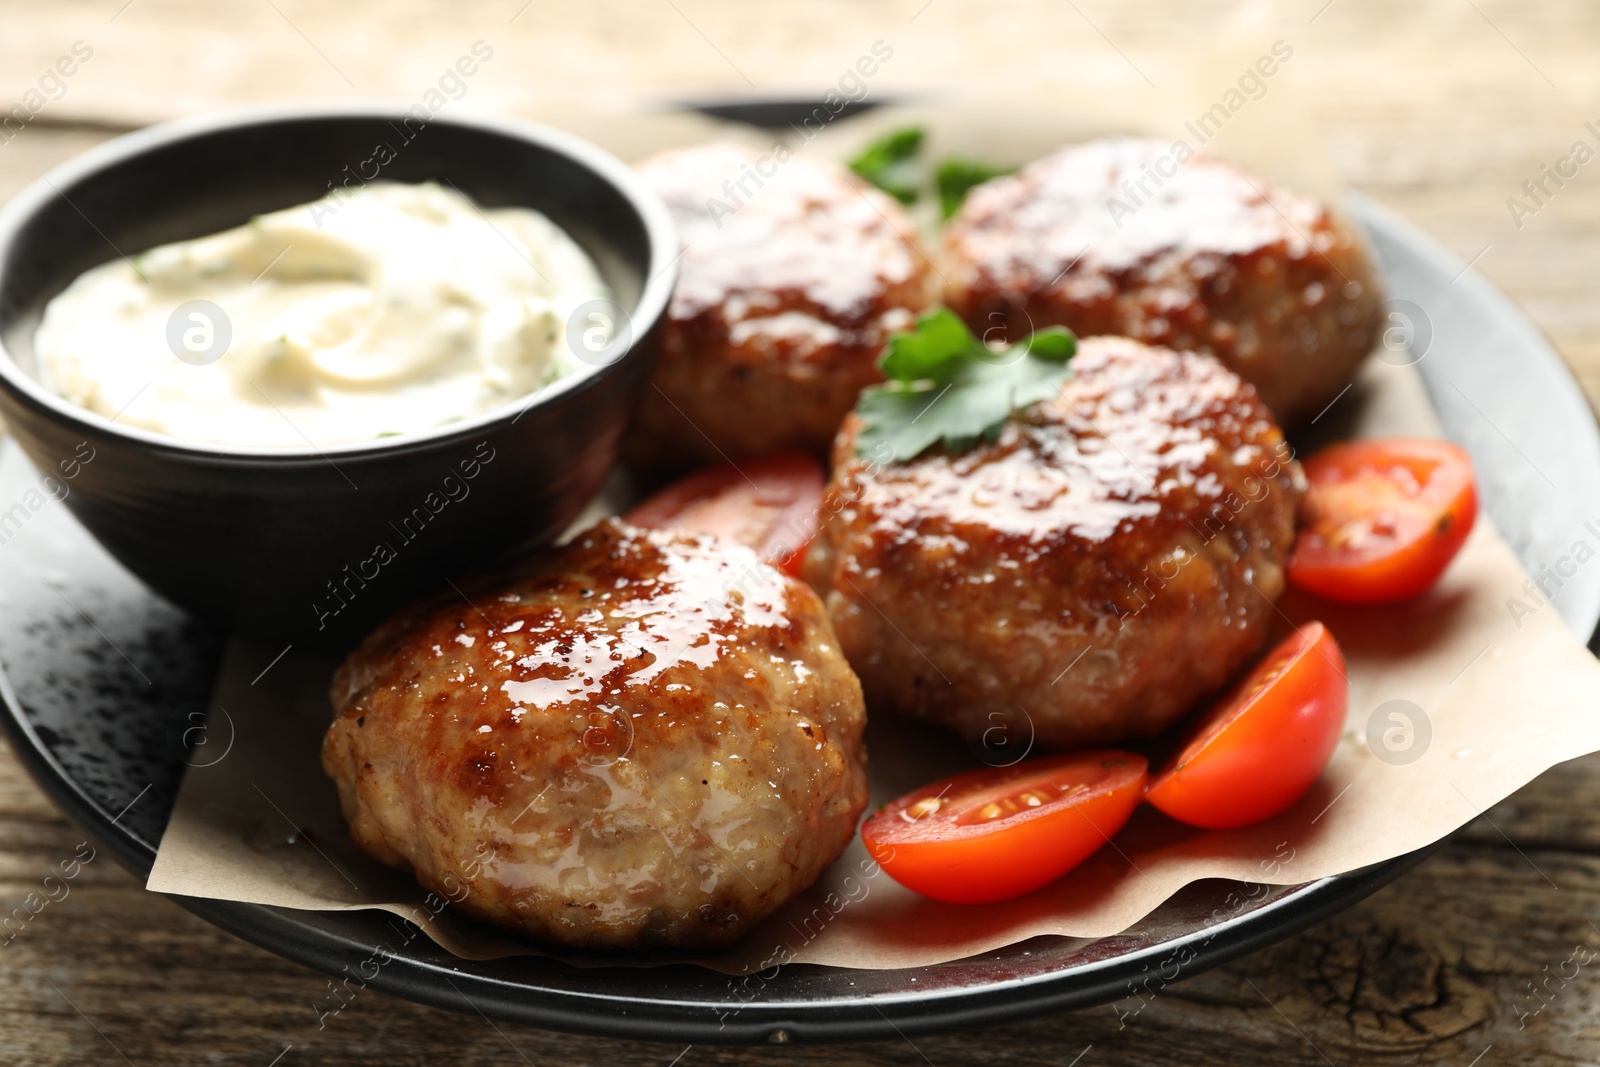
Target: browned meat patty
(792,275)
(1114,237)
(653,739)
(1083,579)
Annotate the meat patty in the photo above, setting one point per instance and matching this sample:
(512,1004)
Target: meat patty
(1117,237)
(642,739)
(1112,557)
(793,274)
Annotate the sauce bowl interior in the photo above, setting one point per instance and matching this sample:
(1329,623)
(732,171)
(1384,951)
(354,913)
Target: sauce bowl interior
(266,540)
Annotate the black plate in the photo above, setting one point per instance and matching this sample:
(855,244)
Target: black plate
(104,686)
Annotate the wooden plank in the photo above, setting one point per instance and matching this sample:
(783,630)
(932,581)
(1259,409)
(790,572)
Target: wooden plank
(1437,966)
(1438,109)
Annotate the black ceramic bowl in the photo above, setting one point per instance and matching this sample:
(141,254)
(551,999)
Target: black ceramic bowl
(285,542)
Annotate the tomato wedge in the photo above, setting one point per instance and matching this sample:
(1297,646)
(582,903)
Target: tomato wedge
(994,834)
(1261,747)
(1382,519)
(771,503)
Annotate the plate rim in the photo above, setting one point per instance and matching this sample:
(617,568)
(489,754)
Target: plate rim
(847,1019)
(281,932)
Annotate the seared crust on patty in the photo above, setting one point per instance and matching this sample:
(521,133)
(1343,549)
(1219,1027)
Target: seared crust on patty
(641,739)
(1110,559)
(1116,237)
(793,273)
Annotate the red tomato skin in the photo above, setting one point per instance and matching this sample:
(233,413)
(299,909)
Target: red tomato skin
(984,864)
(1412,569)
(794,562)
(781,535)
(1270,754)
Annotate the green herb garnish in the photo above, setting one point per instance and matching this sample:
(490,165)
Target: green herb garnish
(893,163)
(955,177)
(947,386)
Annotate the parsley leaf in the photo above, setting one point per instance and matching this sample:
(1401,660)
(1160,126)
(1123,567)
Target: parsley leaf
(924,353)
(893,163)
(955,177)
(947,386)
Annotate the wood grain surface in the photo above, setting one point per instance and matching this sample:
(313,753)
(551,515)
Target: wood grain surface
(1487,954)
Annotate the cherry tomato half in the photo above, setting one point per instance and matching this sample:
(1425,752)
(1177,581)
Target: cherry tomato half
(993,834)
(771,503)
(1382,519)
(1263,745)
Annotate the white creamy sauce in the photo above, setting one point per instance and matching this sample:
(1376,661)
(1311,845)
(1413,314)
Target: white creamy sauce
(392,310)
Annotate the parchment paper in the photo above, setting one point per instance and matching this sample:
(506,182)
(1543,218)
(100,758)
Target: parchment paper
(1492,695)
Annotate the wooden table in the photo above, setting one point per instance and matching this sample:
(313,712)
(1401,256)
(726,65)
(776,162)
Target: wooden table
(1439,109)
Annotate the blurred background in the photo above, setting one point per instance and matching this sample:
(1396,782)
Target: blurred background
(1440,109)
(1446,111)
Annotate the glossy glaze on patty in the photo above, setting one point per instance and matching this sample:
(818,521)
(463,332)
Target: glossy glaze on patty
(793,274)
(653,738)
(1116,237)
(1113,557)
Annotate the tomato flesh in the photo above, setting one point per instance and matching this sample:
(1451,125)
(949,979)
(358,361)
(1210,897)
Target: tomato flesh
(1262,746)
(771,503)
(994,834)
(1382,519)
